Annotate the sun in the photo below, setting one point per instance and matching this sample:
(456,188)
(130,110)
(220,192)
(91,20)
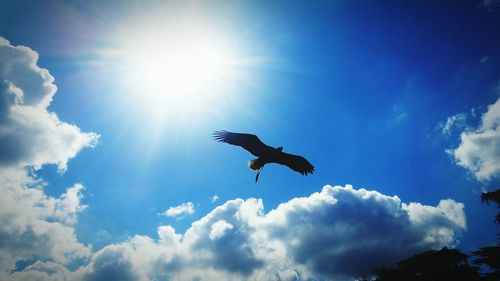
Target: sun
(179,69)
(178,66)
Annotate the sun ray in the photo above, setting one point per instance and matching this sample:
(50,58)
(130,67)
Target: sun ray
(176,75)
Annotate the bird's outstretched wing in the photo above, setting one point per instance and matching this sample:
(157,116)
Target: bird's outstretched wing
(249,142)
(296,163)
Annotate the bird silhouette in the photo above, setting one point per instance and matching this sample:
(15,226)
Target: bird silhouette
(266,154)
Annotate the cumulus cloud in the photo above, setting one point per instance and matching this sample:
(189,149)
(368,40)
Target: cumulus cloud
(479,149)
(33,224)
(29,134)
(338,233)
(346,232)
(175,211)
(35,228)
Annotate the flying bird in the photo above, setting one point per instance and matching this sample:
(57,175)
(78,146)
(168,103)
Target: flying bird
(266,154)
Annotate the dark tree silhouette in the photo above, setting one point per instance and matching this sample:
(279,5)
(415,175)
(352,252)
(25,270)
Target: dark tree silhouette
(266,154)
(490,256)
(493,196)
(434,265)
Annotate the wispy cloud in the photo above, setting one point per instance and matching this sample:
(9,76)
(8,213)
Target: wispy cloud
(454,122)
(215,198)
(184,208)
(484,60)
(490,5)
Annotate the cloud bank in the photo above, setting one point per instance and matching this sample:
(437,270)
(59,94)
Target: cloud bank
(337,233)
(479,149)
(32,224)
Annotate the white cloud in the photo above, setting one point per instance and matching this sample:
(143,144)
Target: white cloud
(328,230)
(34,226)
(215,198)
(30,135)
(37,225)
(479,149)
(338,233)
(184,208)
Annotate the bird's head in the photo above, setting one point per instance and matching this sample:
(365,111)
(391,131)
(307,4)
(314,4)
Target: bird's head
(280,149)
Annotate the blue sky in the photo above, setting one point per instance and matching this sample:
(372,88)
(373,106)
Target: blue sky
(391,98)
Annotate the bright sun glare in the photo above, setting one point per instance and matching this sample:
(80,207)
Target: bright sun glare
(177,68)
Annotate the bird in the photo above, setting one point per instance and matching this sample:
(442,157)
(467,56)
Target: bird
(265,154)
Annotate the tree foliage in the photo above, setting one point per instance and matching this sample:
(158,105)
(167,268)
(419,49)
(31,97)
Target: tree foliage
(444,264)
(490,256)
